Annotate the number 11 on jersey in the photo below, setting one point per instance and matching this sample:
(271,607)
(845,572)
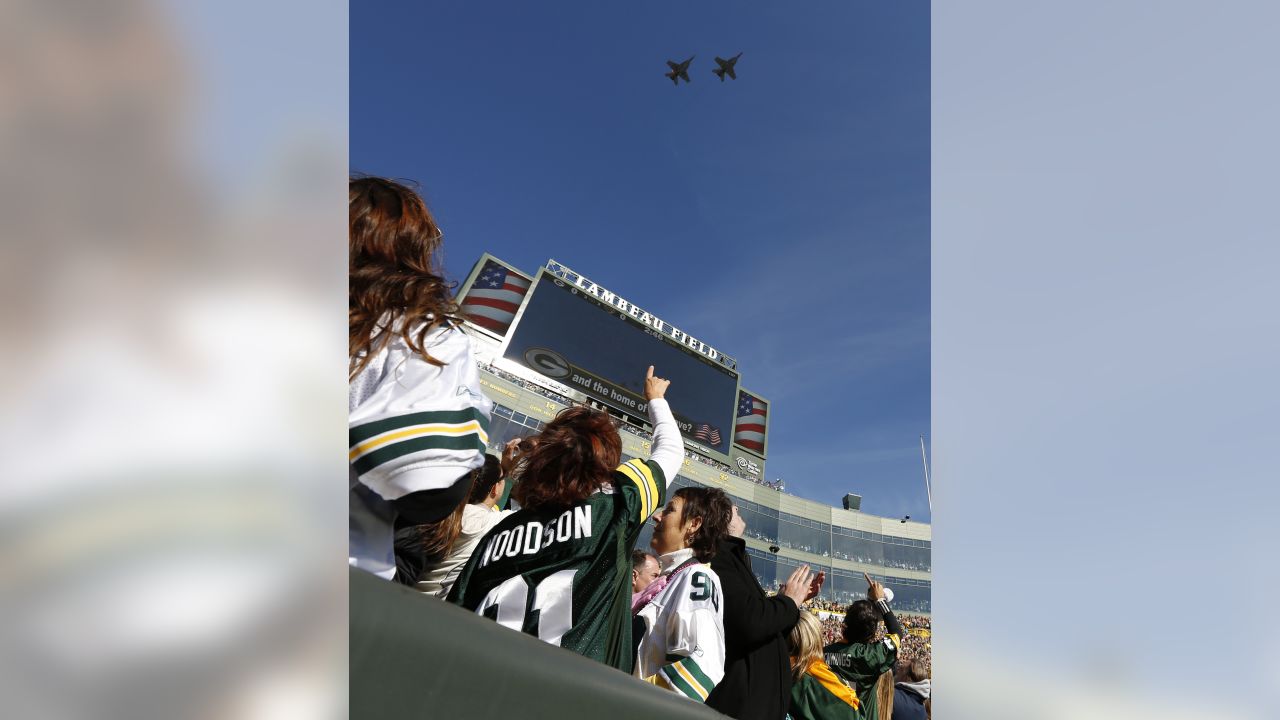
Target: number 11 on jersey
(552,612)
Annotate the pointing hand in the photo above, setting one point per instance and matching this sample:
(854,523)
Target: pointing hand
(654,387)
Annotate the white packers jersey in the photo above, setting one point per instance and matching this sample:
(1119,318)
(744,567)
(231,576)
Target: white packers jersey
(411,426)
(683,645)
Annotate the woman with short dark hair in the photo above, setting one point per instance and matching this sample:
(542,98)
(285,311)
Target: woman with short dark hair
(682,648)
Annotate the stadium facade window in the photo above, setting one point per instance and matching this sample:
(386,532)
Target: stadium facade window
(804,535)
(506,424)
(762,522)
(773,570)
(910,595)
(877,549)
(856,549)
(796,533)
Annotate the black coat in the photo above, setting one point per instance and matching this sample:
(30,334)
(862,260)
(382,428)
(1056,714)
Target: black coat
(757,669)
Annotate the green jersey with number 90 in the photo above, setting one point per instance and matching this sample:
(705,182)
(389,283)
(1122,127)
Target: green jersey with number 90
(564,574)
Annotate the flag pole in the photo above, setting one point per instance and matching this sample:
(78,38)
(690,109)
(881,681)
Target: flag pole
(928,488)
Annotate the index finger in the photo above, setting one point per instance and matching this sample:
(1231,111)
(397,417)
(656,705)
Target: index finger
(650,373)
(869,580)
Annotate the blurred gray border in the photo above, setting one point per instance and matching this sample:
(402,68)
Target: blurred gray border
(173,268)
(1105,344)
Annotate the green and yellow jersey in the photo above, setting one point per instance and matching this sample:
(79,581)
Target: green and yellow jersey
(564,574)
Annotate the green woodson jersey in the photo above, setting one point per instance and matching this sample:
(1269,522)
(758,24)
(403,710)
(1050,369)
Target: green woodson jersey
(564,574)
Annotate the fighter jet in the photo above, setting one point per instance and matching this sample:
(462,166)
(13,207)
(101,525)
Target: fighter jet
(679,70)
(726,67)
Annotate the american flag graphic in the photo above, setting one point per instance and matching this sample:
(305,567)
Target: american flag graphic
(707,433)
(495,296)
(748,429)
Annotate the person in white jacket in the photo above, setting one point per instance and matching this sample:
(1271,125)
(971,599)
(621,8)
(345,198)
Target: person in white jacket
(682,648)
(418,423)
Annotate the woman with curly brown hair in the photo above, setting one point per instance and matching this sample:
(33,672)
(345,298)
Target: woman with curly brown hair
(417,422)
(682,648)
(560,567)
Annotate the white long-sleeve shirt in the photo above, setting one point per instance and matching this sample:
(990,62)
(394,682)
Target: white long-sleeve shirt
(668,445)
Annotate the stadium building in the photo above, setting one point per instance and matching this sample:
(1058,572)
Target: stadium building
(554,338)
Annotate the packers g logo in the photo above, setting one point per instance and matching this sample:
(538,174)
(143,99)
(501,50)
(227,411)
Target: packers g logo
(547,362)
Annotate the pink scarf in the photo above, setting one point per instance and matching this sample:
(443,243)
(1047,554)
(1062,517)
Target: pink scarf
(642,598)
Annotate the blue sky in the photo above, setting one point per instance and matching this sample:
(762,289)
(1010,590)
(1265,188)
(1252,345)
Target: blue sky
(782,217)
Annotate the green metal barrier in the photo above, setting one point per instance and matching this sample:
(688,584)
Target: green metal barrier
(413,656)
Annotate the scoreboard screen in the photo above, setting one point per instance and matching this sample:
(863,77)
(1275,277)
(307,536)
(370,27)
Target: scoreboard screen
(578,341)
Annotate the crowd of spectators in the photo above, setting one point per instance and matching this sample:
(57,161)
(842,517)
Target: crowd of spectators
(883,562)
(633,430)
(917,644)
(715,464)
(831,629)
(903,565)
(901,603)
(532,387)
(826,605)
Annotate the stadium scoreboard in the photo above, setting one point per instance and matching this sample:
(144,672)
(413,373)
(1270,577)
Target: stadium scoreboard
(583,337)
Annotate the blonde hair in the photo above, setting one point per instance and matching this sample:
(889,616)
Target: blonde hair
(805,643)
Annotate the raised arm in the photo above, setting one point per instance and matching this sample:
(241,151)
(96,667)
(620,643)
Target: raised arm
(892,628)
(668,446)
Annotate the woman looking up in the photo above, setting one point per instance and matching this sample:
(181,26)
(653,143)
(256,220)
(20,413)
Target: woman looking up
(682,648)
